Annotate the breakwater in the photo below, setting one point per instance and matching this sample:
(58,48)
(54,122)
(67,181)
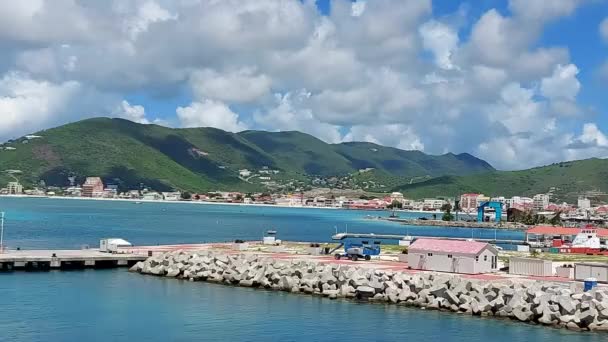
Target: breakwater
(550,304)
(459,224)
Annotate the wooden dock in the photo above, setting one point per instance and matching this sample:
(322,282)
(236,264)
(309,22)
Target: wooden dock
(41,260)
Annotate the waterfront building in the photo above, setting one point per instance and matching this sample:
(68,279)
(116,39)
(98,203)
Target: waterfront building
(584,203)
(152,196)
(14,188)
(432,204)
(455,256)
(244,173)
(172,196)
(92,187)
(500,199)
(468,202)
(540,201)
(397,196)
(481,199)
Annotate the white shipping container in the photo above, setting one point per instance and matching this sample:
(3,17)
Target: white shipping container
(591,270)
(269,240)
(240,246)
(523,248)
(565,272)
(530,267)
(112,245)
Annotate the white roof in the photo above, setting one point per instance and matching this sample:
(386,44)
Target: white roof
(117,241)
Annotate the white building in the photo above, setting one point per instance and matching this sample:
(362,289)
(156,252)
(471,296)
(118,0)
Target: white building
(540,201)
(455,256)
(14,188)
(152,196)
(434,204)
(517,201)
(584,203)
(244,173)
(397,196)
(172,196)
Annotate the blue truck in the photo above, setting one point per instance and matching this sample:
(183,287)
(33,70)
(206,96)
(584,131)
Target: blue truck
(359,250)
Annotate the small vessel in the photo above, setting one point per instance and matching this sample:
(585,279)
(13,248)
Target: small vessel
(271,232)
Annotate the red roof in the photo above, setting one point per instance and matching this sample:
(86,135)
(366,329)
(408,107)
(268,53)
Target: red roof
(550,230)
(448,246)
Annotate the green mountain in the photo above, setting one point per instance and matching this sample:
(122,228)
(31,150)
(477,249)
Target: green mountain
(566,181)
(199,159)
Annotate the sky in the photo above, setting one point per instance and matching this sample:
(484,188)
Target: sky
(518,83)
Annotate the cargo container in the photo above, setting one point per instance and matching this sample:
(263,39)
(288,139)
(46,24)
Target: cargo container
(586,270)
(530,267)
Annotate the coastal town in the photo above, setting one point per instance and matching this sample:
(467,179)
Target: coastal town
(466,206)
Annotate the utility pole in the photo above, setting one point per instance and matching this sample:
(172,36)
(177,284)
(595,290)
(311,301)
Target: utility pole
(2,232)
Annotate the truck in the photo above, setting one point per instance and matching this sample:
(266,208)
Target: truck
(359,250)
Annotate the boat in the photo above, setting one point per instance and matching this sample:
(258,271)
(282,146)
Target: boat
(271,232)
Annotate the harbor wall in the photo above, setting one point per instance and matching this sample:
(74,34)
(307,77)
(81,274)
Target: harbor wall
(550,304)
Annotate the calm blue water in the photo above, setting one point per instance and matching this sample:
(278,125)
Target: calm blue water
(114,305)
(57,223)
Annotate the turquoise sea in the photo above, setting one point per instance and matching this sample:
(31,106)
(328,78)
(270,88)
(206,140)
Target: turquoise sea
(114,305)
(61,223)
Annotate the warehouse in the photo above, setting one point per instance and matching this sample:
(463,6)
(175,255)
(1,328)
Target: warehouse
(455,256)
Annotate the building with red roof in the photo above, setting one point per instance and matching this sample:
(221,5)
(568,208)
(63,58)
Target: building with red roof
(554,236)
(455,256)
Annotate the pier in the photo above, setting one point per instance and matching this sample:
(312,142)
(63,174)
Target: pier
(46,260)
(40,260)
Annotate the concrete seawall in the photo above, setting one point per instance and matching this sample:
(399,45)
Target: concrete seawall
(549,304)
(459,224)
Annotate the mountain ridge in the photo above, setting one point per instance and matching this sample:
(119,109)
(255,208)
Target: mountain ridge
(199,159)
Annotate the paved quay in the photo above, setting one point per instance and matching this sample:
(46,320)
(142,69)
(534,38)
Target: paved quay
(65,259)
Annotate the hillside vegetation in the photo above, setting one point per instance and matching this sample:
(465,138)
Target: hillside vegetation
(202,159)
(566,180)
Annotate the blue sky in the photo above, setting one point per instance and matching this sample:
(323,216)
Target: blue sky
(519,83)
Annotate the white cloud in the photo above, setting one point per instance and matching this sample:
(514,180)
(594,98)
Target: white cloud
(604,29)
(210,113)
(397,135)
(543,10)
(563,84)
(147,14)
(440,39)
(135,113)
(358,7)
(242,85)
(28,105)
(592,135)
(288,112)
(360,72)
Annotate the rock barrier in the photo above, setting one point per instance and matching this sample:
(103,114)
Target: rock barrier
(544,303)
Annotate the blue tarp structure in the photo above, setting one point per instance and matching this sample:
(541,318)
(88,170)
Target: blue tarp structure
(481,210)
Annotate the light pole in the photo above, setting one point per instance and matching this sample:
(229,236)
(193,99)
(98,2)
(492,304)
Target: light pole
(2,232)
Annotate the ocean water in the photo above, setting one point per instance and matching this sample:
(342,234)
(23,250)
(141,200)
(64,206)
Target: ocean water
(59,223)
(114,305)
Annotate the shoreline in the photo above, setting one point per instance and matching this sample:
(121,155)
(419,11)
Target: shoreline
(212,203)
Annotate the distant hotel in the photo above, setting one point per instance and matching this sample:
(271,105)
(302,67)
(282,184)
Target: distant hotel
(93,187)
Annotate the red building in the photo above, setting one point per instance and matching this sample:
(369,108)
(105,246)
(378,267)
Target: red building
(92,187)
